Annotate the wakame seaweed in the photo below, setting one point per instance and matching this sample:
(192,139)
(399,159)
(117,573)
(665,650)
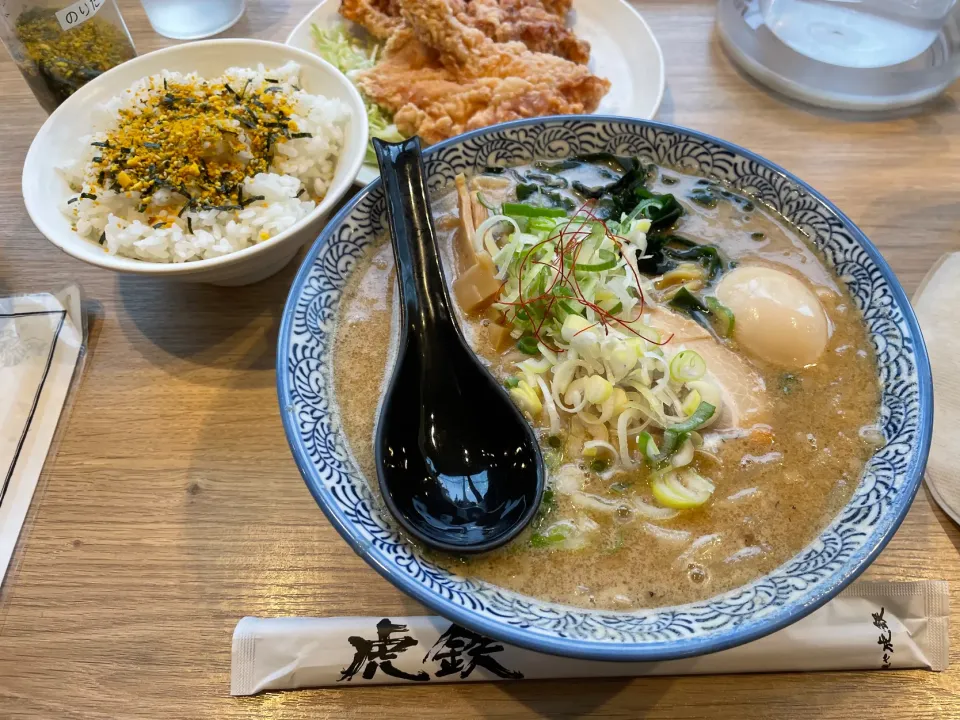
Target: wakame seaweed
(708,194)
(708,313)
(536,195)
(624,195)
(666,252)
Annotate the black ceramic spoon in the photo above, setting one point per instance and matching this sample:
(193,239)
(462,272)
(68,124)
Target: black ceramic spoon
(458,465)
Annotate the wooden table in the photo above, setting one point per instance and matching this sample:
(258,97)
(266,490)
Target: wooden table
(172,506)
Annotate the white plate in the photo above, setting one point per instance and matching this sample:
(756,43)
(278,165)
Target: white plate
(622,49)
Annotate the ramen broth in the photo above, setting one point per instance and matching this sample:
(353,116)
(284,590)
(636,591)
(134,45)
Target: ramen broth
(779,478)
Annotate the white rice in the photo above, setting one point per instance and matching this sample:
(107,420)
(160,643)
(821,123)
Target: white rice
(303,163)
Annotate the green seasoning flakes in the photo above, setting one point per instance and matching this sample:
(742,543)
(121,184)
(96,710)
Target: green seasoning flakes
(57,62)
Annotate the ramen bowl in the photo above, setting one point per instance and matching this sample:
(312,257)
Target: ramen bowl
(835,557)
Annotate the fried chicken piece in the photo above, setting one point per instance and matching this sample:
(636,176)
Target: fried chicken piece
(532,22)
(541,25)
(426,98)
(469,53)
(441,78)
(380,18)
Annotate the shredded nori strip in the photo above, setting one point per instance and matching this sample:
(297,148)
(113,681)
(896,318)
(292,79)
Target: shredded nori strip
(244,91)
(153,145)
(157,226)
(101,144)
(250,200)
(88,196)
(190,225)
(259,104)
(72,200)
(294,136)
(183,210)
(301,191)
(273,89)
(164,83)
(230,89)
(102,177)
(103,237)
(246,123)
(98,159)
(271,80)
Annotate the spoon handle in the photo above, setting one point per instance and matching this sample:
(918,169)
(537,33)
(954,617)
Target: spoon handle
(423,290)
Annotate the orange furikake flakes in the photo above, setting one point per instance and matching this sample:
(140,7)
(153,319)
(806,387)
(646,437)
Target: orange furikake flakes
(196,140)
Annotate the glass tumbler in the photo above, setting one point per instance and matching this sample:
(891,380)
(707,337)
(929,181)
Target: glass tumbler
(192,19)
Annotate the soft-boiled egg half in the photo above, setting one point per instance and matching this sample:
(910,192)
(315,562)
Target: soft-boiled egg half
(776,316)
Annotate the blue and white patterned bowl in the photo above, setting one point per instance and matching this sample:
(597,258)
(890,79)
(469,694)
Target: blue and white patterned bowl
(799,586)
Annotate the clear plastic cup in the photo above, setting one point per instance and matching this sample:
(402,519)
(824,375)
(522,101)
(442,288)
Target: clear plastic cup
(192,19)
(60,45)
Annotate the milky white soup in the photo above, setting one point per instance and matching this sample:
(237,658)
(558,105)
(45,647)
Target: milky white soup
(704,388)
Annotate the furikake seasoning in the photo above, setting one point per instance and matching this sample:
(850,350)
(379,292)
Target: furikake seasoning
(196,141)
(57,62)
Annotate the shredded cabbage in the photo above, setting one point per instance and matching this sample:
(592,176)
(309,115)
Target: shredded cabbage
(349,54)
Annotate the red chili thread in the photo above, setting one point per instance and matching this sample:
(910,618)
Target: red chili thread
(569,242)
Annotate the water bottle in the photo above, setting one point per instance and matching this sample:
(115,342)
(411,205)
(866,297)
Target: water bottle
(59,45)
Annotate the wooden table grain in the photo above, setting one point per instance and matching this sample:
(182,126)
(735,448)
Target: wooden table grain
(172,506)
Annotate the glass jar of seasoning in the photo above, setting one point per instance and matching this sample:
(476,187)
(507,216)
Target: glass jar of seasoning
(60,45)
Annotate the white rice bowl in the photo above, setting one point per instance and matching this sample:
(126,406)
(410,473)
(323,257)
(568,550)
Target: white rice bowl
(298,165)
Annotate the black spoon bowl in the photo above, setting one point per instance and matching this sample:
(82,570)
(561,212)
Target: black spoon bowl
(458,465)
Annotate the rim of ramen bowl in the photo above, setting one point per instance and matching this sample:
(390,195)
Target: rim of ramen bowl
(588,649)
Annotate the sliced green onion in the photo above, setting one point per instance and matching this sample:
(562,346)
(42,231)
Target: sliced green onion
(692,492)
(608,261)
(549,500)
(640,209)
(723,319)
(691,402)
(542,541)
(483,201)
(674,435)
(699,417)
(541,224)
(512,382)
(647,445)
(528,344)
(687,366)
(530,211)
